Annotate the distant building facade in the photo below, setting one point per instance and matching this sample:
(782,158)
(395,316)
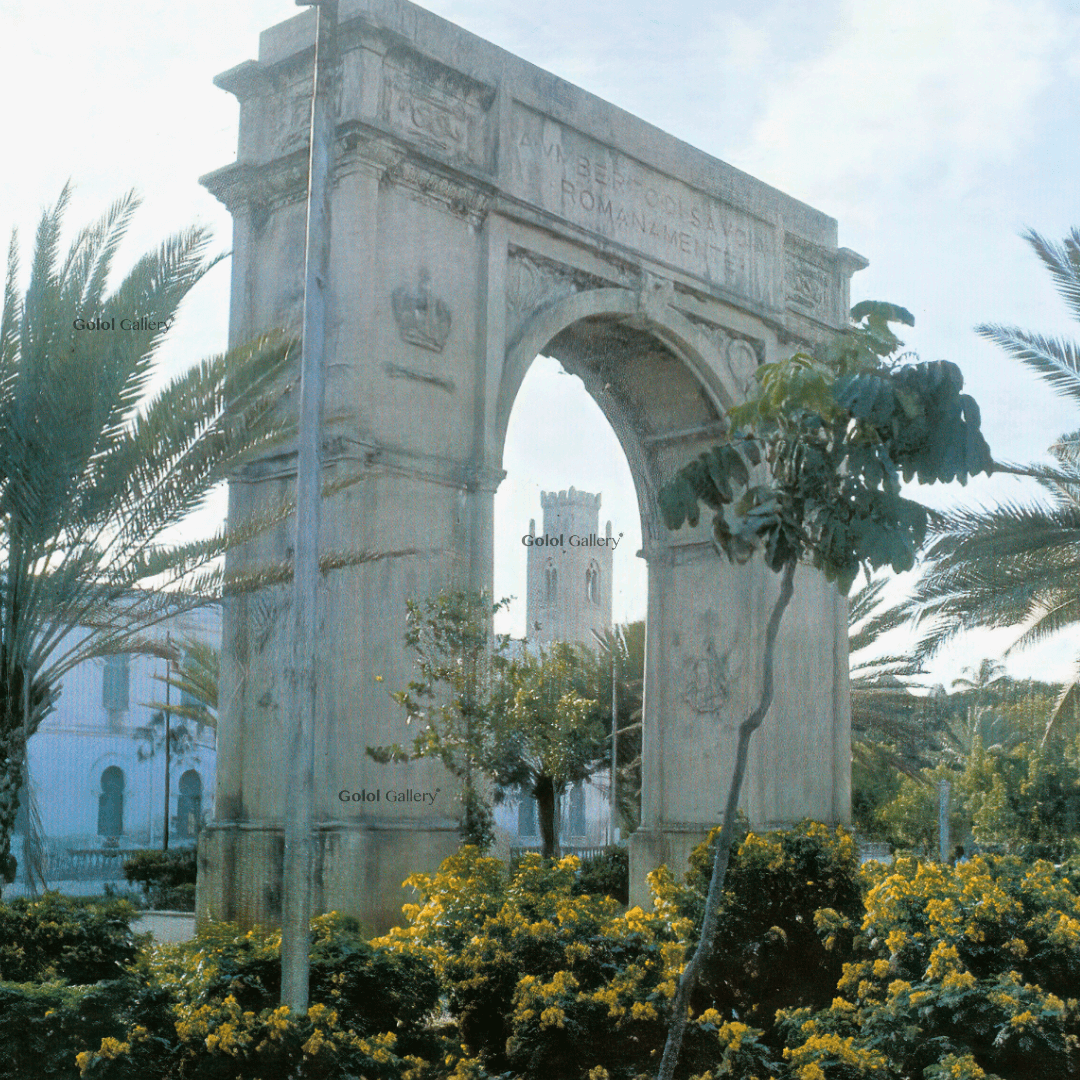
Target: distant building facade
(568,596)
(96,765)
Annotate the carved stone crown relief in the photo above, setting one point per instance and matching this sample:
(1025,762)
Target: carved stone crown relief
(422,318)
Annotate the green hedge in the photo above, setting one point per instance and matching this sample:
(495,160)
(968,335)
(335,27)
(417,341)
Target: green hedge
(167,878)
(63,937)
(824,971)
(44,1026)
(606,874)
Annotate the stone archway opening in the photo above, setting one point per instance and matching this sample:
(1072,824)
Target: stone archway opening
(639,373)
(559,437)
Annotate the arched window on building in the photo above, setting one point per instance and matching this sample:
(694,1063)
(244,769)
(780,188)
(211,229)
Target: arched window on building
(592,583)
(189,805)
(526,815)
(551,584)
(110,818)
(577,810)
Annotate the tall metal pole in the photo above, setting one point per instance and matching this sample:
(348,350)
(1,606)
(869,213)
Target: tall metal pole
(299,819)
(168,738)
(614,738)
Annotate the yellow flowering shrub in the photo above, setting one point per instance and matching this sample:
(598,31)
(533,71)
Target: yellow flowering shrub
(208,1010)
(542,981)
(792,904)
(962,972)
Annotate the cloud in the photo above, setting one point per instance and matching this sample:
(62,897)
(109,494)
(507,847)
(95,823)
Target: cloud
(920,94)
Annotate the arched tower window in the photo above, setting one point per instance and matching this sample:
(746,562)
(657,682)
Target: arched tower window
(110,821)
(189,805)
(592,583)
(551,584)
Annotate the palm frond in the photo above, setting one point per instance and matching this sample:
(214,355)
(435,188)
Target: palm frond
(1067,706)
(239,582)
(86,269)
(1063,262)
(1057,360)
(11,317)
(1052,614)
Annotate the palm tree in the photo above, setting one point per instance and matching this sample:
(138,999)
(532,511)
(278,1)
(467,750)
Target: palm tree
(984,687)
(1017,564)
(890,723)
(93,475)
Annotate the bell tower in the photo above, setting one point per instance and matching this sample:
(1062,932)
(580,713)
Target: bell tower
(569,570)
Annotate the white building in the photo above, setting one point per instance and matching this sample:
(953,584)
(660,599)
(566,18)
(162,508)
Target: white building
(97,776)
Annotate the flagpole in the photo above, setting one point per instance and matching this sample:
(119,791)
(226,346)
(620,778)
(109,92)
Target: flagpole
(299,816)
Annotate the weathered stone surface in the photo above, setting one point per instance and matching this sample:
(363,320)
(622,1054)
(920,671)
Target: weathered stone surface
(485,211)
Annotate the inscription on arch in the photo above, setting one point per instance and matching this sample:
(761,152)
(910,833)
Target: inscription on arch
(611,194)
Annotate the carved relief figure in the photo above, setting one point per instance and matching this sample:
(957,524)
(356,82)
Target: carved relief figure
(706,680)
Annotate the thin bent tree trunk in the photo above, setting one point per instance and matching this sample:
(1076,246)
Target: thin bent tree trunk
(724,841)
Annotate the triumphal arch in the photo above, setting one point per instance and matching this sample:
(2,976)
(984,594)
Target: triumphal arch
(483,212)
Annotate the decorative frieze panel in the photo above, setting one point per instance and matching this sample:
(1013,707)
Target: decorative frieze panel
(439,190)
(438,109)
(706,680)
(611,195)
(810,283)
(422,318)
(289,106)
(739,355)
(533,282)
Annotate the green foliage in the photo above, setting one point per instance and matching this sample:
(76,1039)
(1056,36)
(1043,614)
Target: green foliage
(1014,564)
(626,645)
(62,937)
(546,978)
(1012,788)
(547,733)
(167,878)
(893,729)
(821,971)
(837,432)
(969,967)
(811,469)
(195,679)
(43,1026)
(606,874)
(450,700)
(521,722)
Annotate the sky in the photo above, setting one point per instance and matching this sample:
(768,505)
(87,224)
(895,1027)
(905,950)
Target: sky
(935,133)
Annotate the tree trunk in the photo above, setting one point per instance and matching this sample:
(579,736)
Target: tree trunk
(544,793)
(11,751)
(723,842)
